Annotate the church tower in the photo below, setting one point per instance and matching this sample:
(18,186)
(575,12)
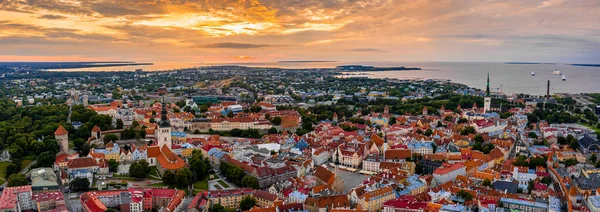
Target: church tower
(487,101)
(62,138)
(384,147)
(163,133)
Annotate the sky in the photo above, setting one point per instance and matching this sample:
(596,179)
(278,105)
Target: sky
(564,31)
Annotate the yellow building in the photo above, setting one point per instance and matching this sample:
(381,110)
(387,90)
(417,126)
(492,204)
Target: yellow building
(373,200)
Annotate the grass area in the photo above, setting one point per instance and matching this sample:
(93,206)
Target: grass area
(29,157)
(201,185)
(25,163)
(593,128)
(223,183)
(158,185)
(153,171)
(3,166)
(2,181)
(218,187)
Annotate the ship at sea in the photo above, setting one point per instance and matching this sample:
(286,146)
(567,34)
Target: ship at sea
(557,72)
(564,78)
(533,73)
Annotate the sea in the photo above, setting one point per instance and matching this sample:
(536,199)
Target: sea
(504,77)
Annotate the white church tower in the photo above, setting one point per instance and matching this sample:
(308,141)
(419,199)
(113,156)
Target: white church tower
(163,133)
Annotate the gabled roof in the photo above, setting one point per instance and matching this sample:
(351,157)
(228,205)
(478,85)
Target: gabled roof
(96,129)
(82,163)
(153,151)
(325,175)
(377,140)
(61,131)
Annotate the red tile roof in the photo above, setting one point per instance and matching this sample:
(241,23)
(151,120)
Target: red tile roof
(61,131)
(81,163)
(447,168)
(96,129)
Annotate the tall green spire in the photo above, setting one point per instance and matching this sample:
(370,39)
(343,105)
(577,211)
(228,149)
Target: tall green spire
(487,89)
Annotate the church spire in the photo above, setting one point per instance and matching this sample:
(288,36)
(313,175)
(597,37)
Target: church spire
(164,122)
(487,89)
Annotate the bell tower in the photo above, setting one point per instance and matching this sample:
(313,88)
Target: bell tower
(163,133)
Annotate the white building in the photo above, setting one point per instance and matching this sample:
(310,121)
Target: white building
(320,156)
(449,172)
(523,178)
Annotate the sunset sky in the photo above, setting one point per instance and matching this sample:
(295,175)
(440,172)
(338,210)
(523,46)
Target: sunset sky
(271,30)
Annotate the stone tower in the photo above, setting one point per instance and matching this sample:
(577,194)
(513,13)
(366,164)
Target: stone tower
(163,133)
(62,138)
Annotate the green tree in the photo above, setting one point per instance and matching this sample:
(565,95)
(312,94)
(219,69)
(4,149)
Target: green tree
(464,195)
(139,169)
(571,162)
(183,177)
(273,130)
(593,158)
(11,169)
(113,165)
(216,208)
(562,140)
(530,186)
(45,159)
(468,130)
(84,150)
(487,183)
(250,182)
(276,121)
(532,135)
(168,178)
(79,184)
(17,180)
(478,138)
(247,203)
(110,137)
(428,132)
(255,109)
(119,124)
(574,144)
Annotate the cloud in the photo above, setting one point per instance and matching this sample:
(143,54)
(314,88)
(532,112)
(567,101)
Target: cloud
(233,46)
(366,50)
(52,17)
(323,29)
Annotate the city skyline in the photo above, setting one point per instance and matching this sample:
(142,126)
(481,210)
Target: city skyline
(260,31)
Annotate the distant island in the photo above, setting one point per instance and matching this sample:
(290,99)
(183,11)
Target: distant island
(588,65)
(69,65)
(528,63)
(306,61)
(350,68)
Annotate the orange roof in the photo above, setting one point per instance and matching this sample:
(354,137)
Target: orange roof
(325,175)
(376,139)
(168,164)
(61,131)
(153,151)
(487,174)
(573,191)
(377,193)
(446,168)
(96,129)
